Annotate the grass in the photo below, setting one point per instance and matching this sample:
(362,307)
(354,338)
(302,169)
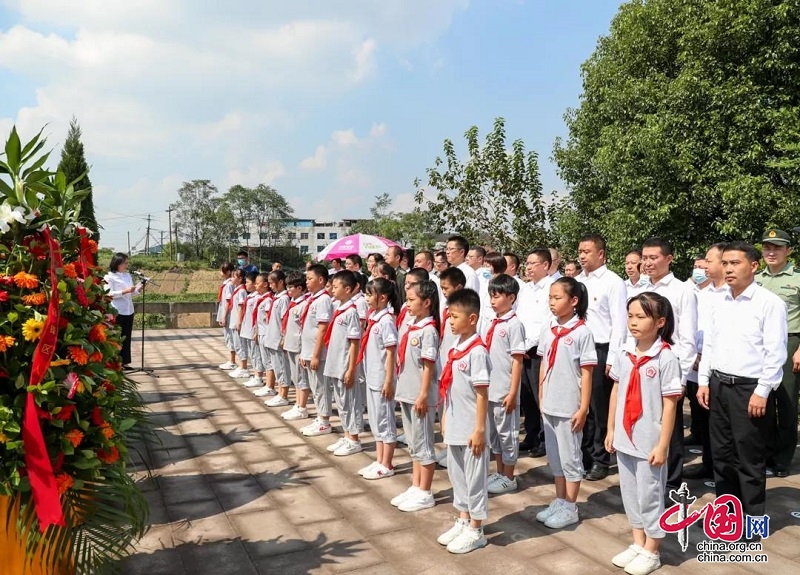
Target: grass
(177,297)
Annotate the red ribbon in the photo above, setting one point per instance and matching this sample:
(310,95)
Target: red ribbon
(233,295)
(254,316)
(401,316)
(40,471)
(490,333)
(633,395)
(85,252)
(337,313)
(443,326)
(365,340)
(219,292)
(401,351)
(559,332)
(292,304)
(308,307)
(453,356)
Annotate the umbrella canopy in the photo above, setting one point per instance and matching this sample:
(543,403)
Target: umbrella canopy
(361,244)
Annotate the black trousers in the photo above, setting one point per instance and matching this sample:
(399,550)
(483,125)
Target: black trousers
(786,409)
(699,423)
(126,323)
(739,443)
(529,399)
(675,454)
(594,432)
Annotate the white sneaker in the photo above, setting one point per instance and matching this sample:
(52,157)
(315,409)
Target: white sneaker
(398,499)
(644,563)
(276,401)
(503,485)
(349,447)
(369,467)
(227,366)
(254,382)
(239,373)
(562,517)
(319,427)
(468,540)
(417,501)
(378,472)
(336,444)
(545,514)
(265,392)
(449,536)
(622,559)
(295,413)
(492,478)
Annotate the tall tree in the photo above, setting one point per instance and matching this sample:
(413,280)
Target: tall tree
(687,125)
(197,217)
(494,197)
(76,170)
(416,228)
(262,208)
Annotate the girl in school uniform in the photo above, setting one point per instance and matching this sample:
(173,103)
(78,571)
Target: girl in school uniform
(223,297)
(235,313)
(377,355)
(565,389)
(641,414)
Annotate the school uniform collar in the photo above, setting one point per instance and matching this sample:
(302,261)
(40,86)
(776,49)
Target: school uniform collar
(570,323)
(506,316)
(598,273)
(348,304)
(422,322)
(318,294)
(465,344)
(281,294)
(376,316)
(300,298)
(665,281)
(655,349)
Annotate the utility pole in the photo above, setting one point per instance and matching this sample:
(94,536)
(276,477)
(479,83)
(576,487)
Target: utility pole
(162,242)
(147,237)
(129,243)
(169,214)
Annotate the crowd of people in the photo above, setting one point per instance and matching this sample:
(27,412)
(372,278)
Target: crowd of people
(592,367)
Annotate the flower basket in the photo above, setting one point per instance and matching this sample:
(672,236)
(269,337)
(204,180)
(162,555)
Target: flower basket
(67,413)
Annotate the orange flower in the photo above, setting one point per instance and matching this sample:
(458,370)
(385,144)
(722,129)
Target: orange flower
(93,246)
(69,271)
(95,357)
(107,430)
(75,436)
(110,456)
(6,341)
(98,333)
(37,298)
(59,362)
(26,280)
(78,354)
(65,482)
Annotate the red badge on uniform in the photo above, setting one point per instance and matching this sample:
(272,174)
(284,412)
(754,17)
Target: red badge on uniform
(462,366)
(501,333)
(568,340)
(651,372)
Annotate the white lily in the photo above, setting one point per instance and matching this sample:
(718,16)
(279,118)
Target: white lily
(9,215)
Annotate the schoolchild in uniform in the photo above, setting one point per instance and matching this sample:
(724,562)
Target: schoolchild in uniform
(464,388)
(413,277)
(257,351)
(568,354)
(274,337)
(418,391)
(263,308)
(223,297)
(504,337)
(378,358)
(292,342)
(647,385)
(248,333)
(235,315)
(314,319)
(342,337)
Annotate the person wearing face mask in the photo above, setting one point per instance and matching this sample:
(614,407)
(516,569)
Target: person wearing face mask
(699,277)
(243,261)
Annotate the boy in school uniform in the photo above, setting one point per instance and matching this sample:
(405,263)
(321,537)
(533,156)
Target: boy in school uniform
(235,315)
(292,343)
(504,337)
(267,389)
(223,297)
(274,336)
(248,333)
(464,387)
(343,337)
(314,319)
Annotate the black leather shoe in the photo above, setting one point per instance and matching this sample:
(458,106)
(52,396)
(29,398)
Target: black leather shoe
(525,445)
(597,472)
(691,440)
(698,472)
(538,451)
(780,470)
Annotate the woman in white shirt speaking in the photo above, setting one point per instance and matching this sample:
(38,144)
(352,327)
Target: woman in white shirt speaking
(121,288)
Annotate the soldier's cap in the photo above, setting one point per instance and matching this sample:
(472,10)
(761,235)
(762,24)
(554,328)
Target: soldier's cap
(777,237)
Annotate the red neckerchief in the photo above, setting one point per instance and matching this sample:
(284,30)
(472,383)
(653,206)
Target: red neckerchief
(266,296)
(558,333)
(337,313)
(495,321)
(292,304)
(446,380)
(308,307)
(401,350)
(401,316)
(221,289)
(374,318)
(233,295)
(633,395)
(276,297)
(443,326)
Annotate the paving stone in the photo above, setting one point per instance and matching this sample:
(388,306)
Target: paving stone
(267,533)
(344,548)
(303,504)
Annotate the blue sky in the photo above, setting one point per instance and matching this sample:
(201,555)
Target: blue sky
(332,102)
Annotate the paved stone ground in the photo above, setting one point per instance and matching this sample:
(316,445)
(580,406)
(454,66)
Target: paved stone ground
(235,489)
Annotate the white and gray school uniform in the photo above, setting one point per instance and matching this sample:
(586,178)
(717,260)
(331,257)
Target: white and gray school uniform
(237,300)
(467,473)
(422,344)
(447,338)
(561,394)
(642,485)
(292,342)
(362,307)
(272,339)
(318,309)
(508,340)
(222,313)
(346,327)
(380,411)
(248,331)
(262,309)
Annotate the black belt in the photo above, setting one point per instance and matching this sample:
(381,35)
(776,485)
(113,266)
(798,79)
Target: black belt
(729,379)
(532,351)
(601,346)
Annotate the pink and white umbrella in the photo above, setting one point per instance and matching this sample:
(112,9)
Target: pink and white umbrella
(361,244)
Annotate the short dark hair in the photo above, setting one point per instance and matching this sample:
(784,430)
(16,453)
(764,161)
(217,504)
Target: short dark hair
(497,261)
(387,270)
(636,251)
(336,261)
(251,276)
(396,250)
(420,274)
(479,251)
(427,254)
(504,284)
(296,279)
(598,241)
(278,276)
(117,260)
(227,267)
(749,250)
(354,259)
(242,253)
(465,299)
(453,275)
(440,254)
(543,254)
(513,257)
(664,245)
(656,306)
(320,271)
(460,241)
(719,246)
(347,278)
(376,257)
(264,276)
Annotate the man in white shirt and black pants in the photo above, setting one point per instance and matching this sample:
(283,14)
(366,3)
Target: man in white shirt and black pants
(744,352)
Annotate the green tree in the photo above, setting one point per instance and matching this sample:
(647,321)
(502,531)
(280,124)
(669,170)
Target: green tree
(261,208)
(76,170)
(413,229)
(199,218)
(687,125)
(494,197)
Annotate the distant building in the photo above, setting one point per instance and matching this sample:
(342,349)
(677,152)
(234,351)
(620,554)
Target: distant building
(309,236)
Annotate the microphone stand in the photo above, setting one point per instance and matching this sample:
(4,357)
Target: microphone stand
(142,369)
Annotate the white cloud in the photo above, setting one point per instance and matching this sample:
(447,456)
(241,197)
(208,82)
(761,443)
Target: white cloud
(315,162)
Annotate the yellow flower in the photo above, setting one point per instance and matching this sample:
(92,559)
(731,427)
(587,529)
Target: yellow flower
(59,362)
(32,329)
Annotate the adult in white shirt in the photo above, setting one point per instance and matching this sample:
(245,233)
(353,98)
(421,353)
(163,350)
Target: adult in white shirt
(512,267)
(555,264)
(636,281)
(121,288)
(607,319)
(533,310)
(456,250)
(425,259)
(744,351)
(656,262)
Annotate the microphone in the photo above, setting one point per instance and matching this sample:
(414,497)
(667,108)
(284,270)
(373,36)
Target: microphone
(143,277)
